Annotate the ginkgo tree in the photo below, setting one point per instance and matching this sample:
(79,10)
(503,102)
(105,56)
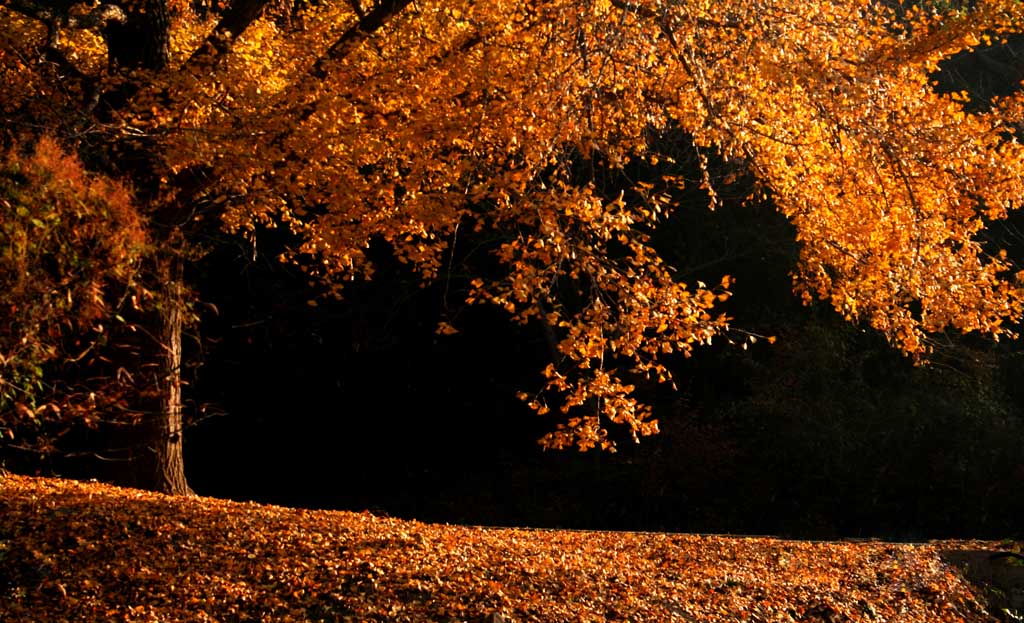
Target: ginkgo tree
(408,122)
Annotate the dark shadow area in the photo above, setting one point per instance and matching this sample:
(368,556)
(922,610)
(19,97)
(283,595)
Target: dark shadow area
(828,433)
(997,577)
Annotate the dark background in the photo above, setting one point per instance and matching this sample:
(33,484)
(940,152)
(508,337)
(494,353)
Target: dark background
(359,404)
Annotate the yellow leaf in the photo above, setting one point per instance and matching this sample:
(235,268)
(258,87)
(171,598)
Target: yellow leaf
(443,328)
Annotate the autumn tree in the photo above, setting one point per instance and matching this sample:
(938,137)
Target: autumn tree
(71,246)
(546,123)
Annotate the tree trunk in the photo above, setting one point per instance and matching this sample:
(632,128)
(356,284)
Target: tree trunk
(143,41)
(166,432)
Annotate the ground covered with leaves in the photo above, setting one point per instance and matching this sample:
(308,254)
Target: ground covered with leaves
(74,551)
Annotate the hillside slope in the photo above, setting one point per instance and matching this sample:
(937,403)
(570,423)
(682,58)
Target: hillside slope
(73,551)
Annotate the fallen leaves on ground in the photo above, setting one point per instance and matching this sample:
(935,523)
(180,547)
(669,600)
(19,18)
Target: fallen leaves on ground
(75,551)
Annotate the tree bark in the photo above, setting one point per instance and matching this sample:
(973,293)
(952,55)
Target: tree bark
(167,435)
(143,41)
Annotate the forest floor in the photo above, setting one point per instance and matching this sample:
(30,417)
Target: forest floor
(76,551)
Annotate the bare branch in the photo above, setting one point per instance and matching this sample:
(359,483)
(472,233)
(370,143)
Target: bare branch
(32,9)
(358,8)
(235,20)
(641,11)
(367,25)
(96,18)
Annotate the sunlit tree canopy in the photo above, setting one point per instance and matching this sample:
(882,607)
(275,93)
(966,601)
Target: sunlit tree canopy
(412,123)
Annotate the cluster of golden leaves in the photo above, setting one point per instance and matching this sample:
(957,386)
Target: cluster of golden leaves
(72,551)
(484,112)
(494,115)
(887,181)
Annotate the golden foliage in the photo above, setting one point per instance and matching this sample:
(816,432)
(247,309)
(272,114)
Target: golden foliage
(402,127)
(90,552)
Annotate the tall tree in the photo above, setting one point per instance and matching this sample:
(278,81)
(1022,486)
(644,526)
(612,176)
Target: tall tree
(541,121)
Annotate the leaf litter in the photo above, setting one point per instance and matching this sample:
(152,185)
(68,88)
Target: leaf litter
(84,551)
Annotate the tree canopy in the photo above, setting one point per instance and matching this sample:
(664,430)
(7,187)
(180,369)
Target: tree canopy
(554,126)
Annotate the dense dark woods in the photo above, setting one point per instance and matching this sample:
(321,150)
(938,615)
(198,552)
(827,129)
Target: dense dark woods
(402,397)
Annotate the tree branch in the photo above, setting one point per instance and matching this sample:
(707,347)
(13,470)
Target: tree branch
(31,9)
(367,25)
(57,18)
(235,20)
(641,11)
(96,18)
(247,11)
(358,8)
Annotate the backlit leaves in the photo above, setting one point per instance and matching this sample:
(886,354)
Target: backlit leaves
(512,117)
